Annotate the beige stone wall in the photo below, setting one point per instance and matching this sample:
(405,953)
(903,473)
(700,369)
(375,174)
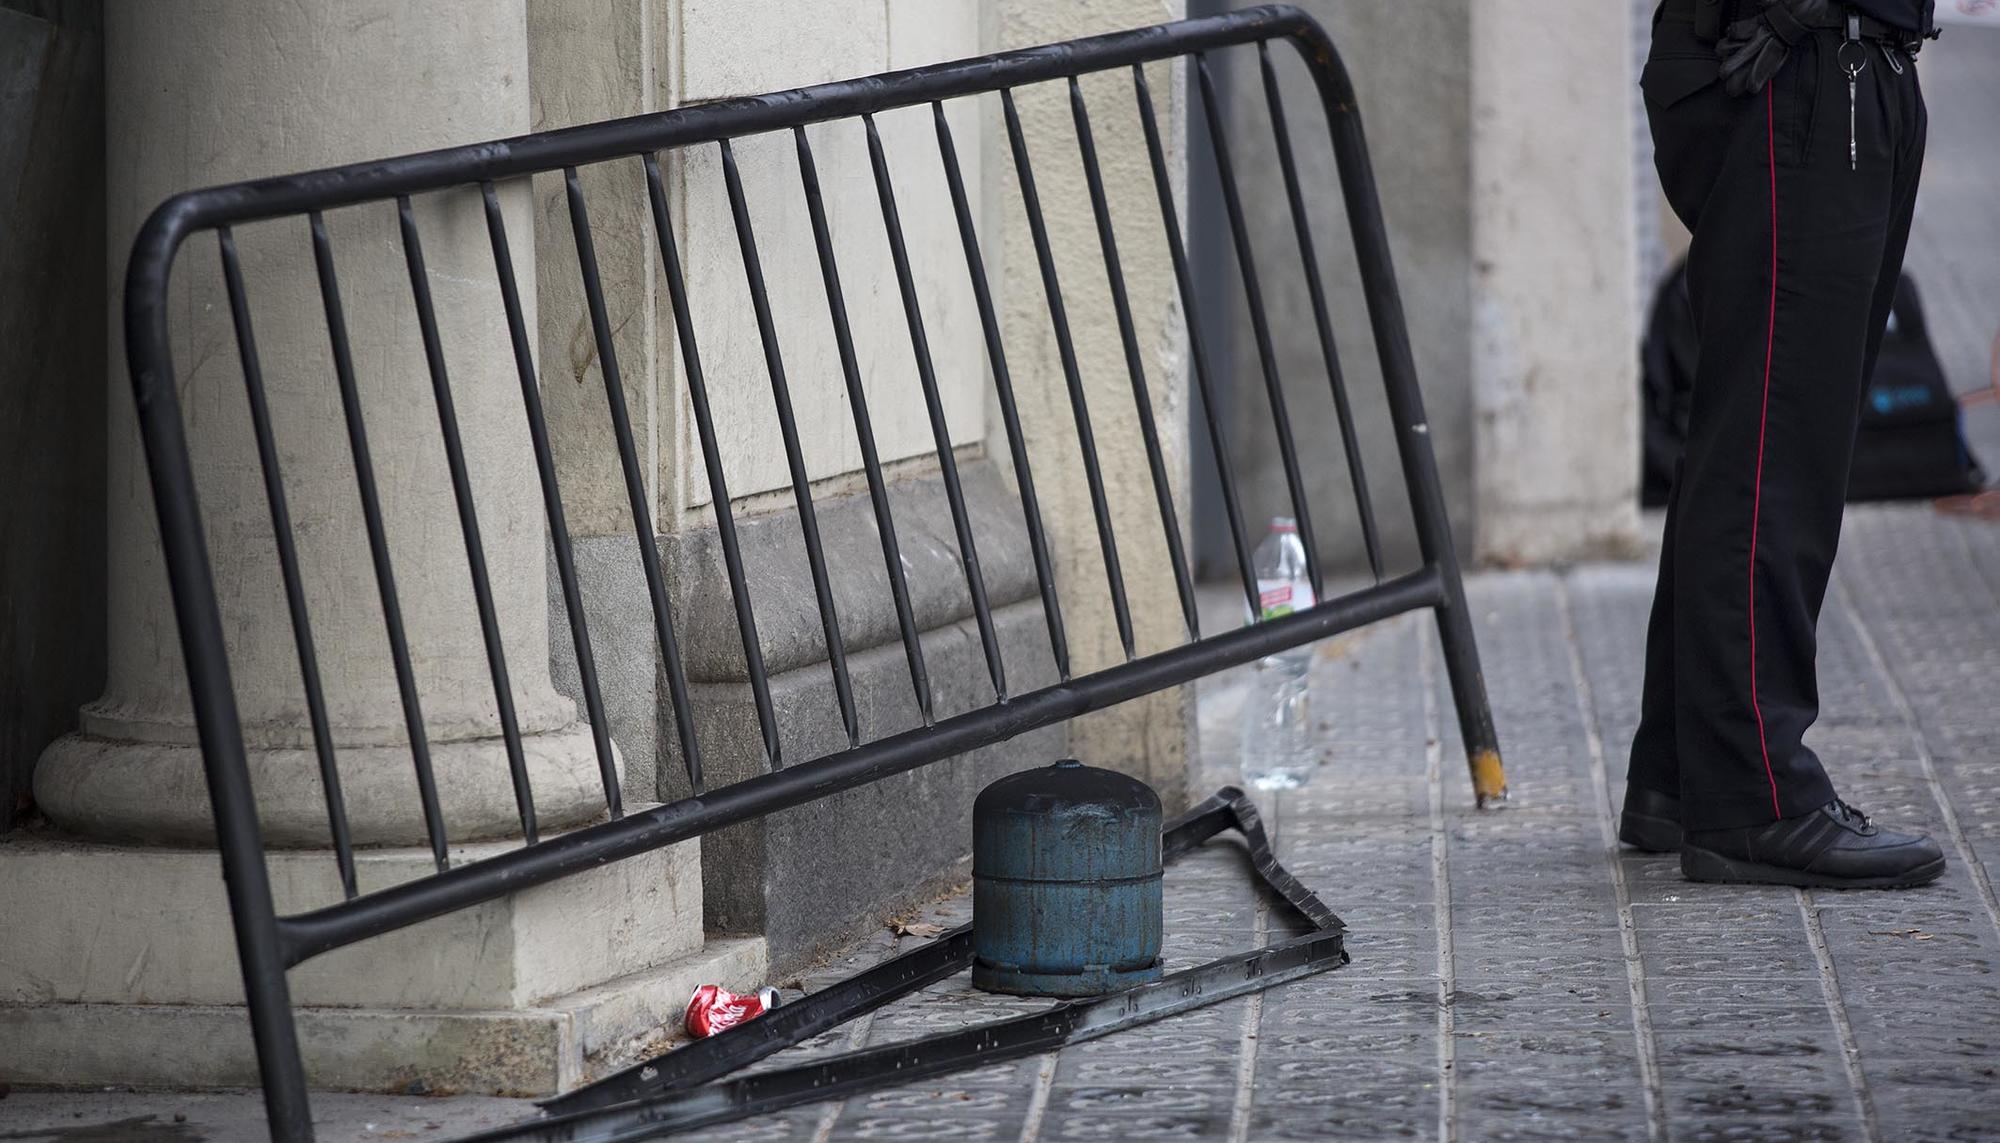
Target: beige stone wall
(665,53)
(1553,237)
(588,62)
(599,61)
(1148,737)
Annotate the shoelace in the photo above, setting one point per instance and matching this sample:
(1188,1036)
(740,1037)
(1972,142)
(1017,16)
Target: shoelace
(1849,813)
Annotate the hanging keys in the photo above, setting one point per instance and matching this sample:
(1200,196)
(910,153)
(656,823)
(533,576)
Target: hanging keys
(1852,66)
(1853,145)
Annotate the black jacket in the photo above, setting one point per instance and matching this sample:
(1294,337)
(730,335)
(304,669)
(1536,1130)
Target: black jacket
(1913,15)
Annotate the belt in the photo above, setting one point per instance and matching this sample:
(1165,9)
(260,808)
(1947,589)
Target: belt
(1869,28)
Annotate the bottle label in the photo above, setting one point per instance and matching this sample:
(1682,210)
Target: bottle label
(1276,597)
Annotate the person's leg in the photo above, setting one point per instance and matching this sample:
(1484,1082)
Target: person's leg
(1692,125)
(1650,818)
(1790,255)
(1800,253)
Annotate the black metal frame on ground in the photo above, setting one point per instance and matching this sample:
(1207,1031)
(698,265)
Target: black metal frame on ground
(270,944)
(673,1092)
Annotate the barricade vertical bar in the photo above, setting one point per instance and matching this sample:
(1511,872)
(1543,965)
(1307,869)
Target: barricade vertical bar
(545,468)
(1100,208)
(774,364)
(968,549)
(1316,293)
(1204,380)
(635,480)
(711,455)
(1066,350)
(1003,384)
(378,538)
(1406,407)
(1260,324)
(218,727)
(864,429)
(468,517)
(288,560)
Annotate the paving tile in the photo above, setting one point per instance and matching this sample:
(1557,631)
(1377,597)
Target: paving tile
(949,1110)
(1554,1116)
(1914,1076)
(1941,1117)
(1284,1071)
(1151,1124)
(1139,1069)
(1380,954)
(1471,887)
(1805,1058)
(1780,1126)
(1281,1039)
(1552,1108)
(1723,1015)
(1942,995)
(1721,963)
(1372,1005)
(1472,945)
(1767,912)
(1735,1103)
(782,1127)
(1340,1110)
(1555,920)
(1520,1061)
(1140,1099)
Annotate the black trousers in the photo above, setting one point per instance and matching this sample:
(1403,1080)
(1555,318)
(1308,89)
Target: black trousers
(1794,261)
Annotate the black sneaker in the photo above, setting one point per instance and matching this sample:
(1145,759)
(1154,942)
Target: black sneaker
(1651,821)
(1833,847)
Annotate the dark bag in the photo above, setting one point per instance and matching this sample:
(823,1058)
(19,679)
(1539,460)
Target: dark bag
(1910,444)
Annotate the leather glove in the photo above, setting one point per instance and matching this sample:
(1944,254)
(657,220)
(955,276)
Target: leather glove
(1753,49)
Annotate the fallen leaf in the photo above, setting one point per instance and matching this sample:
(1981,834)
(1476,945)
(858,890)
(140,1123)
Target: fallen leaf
(915,929)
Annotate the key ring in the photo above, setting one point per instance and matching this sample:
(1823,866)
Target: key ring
(1851,70)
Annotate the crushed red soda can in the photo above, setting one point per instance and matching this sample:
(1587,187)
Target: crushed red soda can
(714,1008)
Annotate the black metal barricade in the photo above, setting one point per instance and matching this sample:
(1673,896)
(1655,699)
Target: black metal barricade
(270,944)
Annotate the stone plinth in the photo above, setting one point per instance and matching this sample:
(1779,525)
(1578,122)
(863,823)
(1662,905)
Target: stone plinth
(132,954)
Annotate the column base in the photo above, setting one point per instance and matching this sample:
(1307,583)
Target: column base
(552,1047)
(152,792)
(132,960)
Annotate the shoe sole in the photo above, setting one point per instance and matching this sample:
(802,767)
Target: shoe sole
(1705,865)
(1651,834)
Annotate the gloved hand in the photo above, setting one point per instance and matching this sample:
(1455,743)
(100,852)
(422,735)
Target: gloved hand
(1754,48)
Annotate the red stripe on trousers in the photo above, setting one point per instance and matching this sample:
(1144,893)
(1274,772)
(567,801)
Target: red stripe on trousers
(1763,420)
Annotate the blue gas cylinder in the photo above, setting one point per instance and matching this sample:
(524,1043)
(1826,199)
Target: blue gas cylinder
(1065,882)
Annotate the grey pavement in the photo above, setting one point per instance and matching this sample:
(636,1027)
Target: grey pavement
(1516,975)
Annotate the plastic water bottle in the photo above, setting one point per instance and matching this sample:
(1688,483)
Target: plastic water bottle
(1276,744)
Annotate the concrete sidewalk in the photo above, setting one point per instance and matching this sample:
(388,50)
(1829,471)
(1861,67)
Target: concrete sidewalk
(1515,974)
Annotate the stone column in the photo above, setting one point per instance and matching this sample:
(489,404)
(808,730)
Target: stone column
(225,90)
(1147,737)
(126,956)
(1555,344)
